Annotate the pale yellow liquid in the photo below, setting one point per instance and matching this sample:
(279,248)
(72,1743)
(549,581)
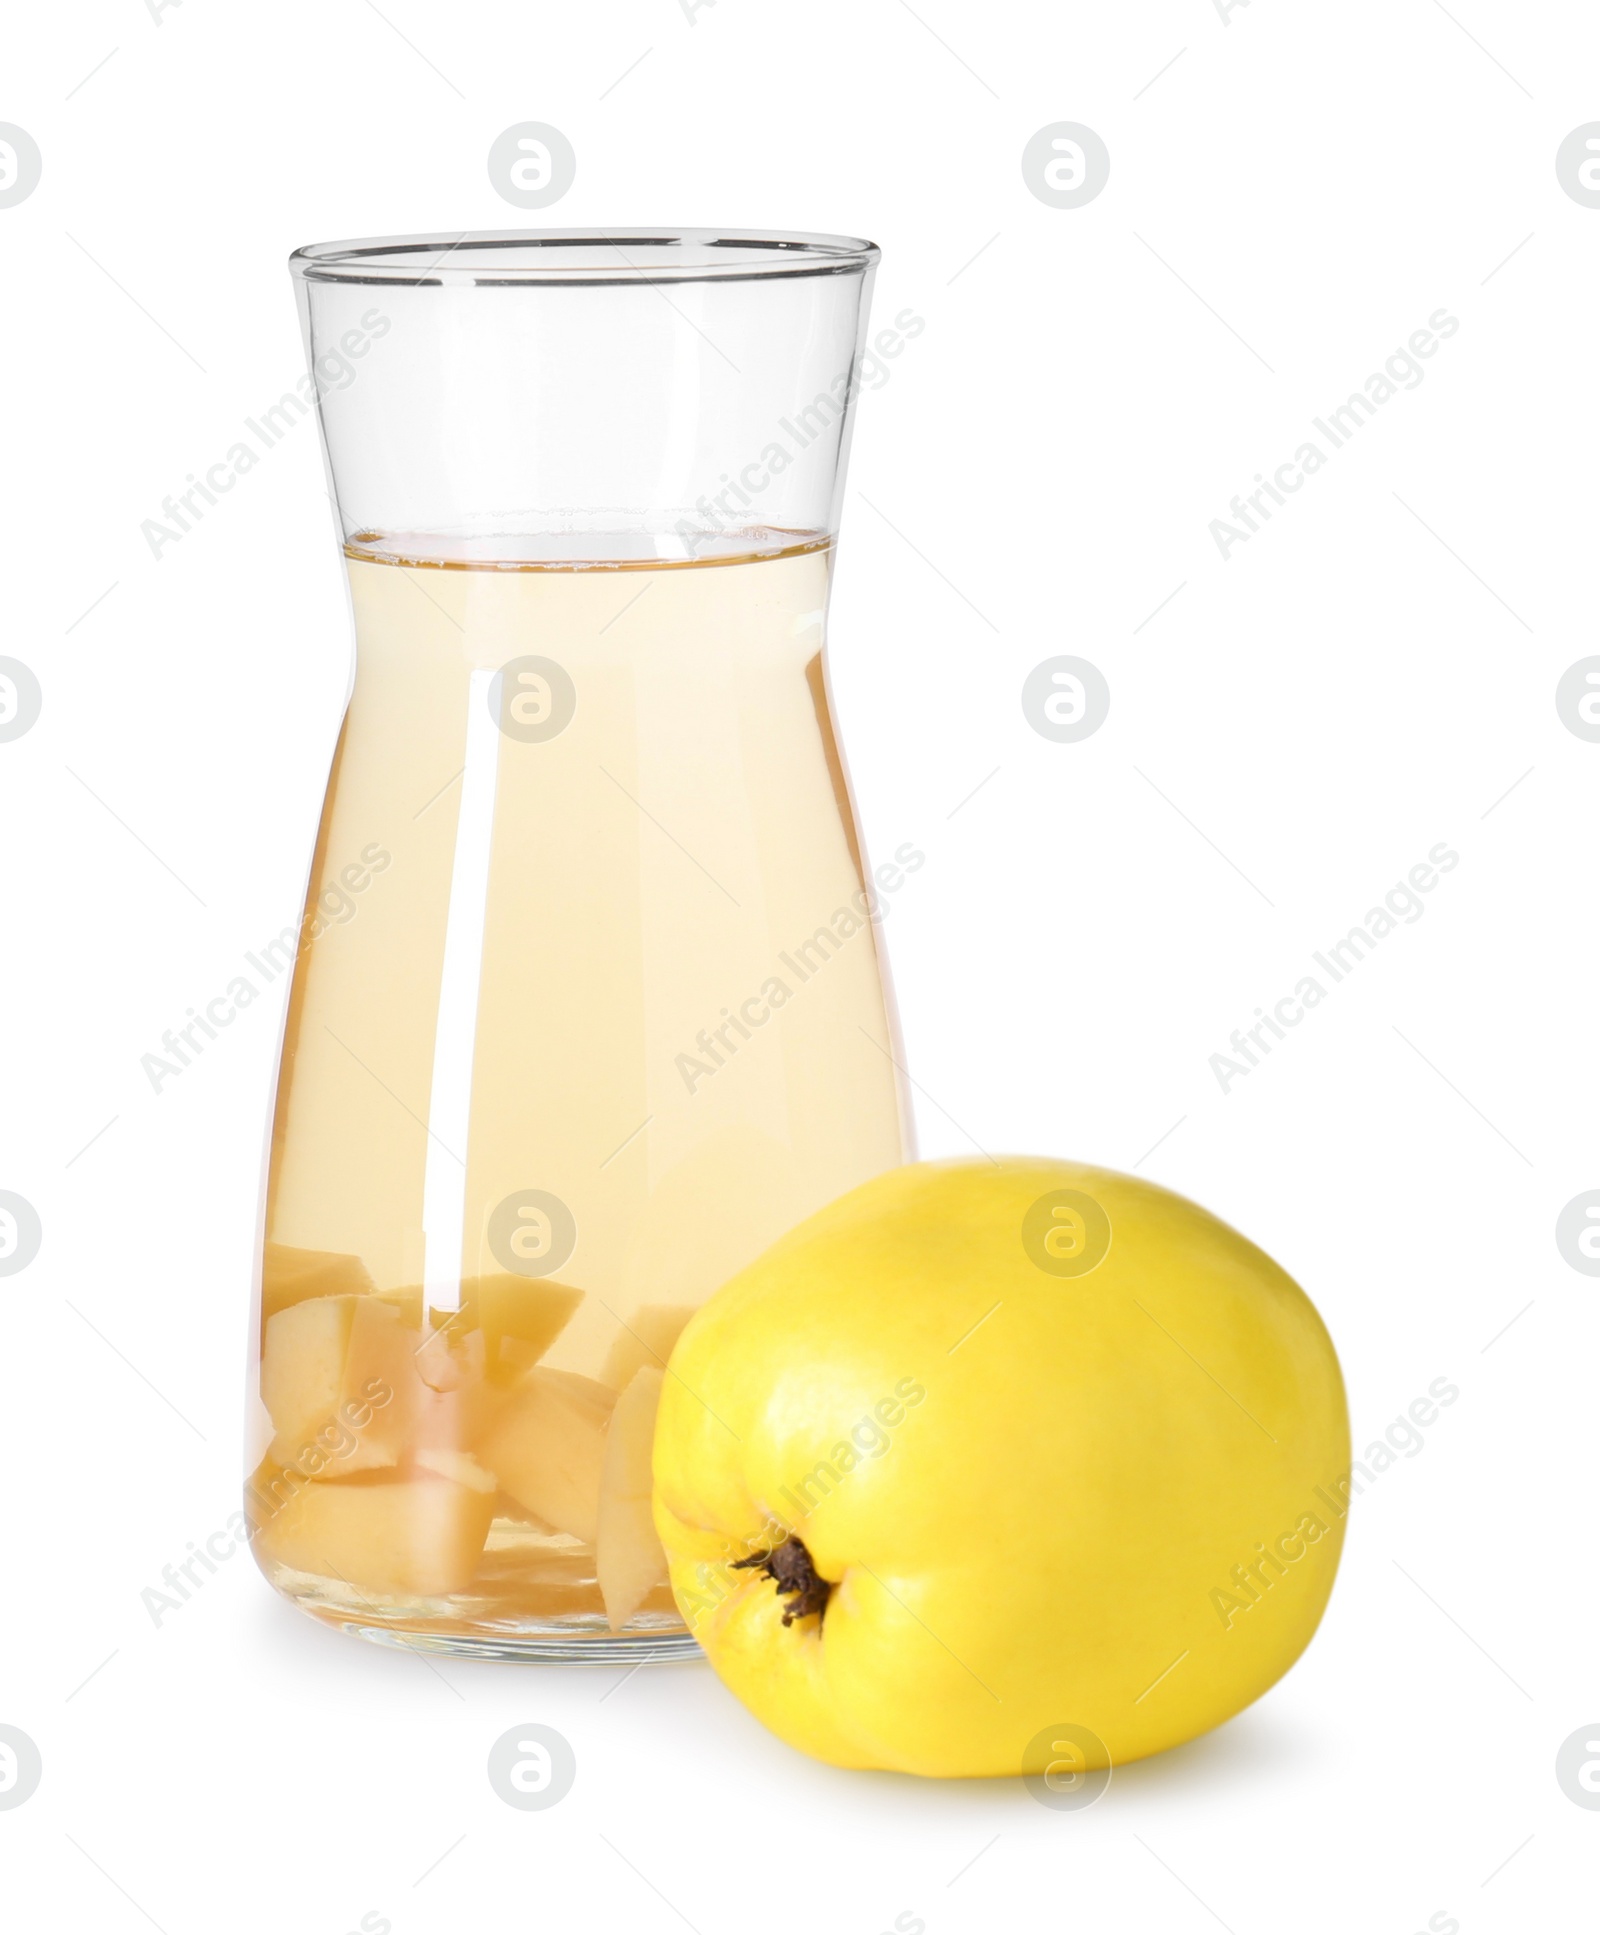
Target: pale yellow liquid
(650,871)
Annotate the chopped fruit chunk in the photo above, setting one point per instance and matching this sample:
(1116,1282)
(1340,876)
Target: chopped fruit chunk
(290,1276)
(380,1392)
(459,1466)
(339,1380)
(527,1308)
(454,1420)
(548,1446)
(455,1407)
(628,1555)
(302,1369)
(420,1535)
(267,1490)
(647,1338)
(295,1273)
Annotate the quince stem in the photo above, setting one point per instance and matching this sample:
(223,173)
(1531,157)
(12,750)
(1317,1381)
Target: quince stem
(797,1579)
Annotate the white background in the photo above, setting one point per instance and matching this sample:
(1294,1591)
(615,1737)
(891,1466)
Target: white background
(1290,732)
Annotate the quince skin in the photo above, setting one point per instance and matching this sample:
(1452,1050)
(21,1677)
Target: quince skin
(988,1457)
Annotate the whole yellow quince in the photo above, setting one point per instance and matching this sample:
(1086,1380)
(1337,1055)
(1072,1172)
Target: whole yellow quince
(1000,1468)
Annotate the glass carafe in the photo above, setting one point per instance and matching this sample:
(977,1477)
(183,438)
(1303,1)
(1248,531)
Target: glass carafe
(589,1005)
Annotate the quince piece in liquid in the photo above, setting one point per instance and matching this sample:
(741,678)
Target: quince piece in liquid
(629,1560)
(417,1537)
(547,1448)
